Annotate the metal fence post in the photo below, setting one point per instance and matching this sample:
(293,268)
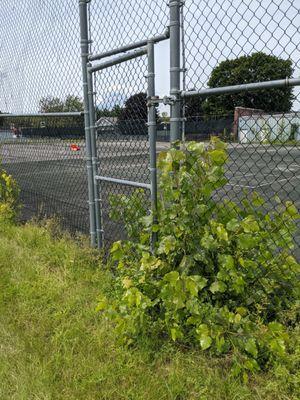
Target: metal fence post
(97,200)
(152,132)
(84,56)
(184,71)
(175,120)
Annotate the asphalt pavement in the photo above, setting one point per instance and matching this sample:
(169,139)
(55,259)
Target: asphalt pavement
(52,177)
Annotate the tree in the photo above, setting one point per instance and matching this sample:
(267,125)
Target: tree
(105,112)
(132,118)
(73,104)
(55,104)
(51,104)
(135,108)
(257,67)
(116,111)
(194,107)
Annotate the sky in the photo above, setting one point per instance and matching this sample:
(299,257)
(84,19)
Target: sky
(40,44)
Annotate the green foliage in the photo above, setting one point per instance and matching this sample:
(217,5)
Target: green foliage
(54,104)
(135,108)
(222,275)
(130,210)
(194,106)
(133,117)
(227,136)
(55,346)
(71,103)
(50,104)
(105,112)
(9,196)
(257,67)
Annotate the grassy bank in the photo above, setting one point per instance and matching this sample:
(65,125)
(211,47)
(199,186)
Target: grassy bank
(54,346)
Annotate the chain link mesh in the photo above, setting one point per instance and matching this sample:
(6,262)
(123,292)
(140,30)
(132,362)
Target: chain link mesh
(40,71)
(121,99)
(39,53)
(48,163)
(261,128)
(225,43)
(219,30)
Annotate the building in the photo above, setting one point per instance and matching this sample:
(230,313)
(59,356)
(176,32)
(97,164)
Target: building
(106,125)
(260,127)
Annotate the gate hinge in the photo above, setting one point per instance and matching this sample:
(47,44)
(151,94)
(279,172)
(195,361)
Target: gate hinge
(166,100)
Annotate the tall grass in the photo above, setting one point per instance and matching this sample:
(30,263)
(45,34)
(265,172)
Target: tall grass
(53,345)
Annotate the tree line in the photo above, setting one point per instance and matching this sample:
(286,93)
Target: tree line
(257,67)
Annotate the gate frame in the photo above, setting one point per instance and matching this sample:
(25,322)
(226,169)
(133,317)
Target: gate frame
(144,47)
(84,42)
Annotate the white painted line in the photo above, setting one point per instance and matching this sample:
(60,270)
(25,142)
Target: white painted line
(242,175)
(264,184)
(266,151)
(280,180)
(240,186)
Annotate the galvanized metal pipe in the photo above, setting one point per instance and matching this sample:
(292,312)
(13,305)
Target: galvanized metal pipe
(175,120)
(97,195)
(84,56)
(132,46)
(119,60)
(33,115)
(123,182)
(152,132)
(184,70)
(282,83)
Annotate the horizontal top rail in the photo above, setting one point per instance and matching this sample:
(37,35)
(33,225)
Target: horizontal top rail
(119,60)
(243,88)
(62,114)
(132,46)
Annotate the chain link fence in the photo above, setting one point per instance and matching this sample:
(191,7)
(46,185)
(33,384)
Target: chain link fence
(47,158)
(242,42)
(40,72)
(39,53)
(223,44)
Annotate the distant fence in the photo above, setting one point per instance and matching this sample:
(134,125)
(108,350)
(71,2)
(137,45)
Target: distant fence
(72,132)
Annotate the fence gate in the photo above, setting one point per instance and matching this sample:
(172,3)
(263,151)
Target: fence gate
(121,152)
